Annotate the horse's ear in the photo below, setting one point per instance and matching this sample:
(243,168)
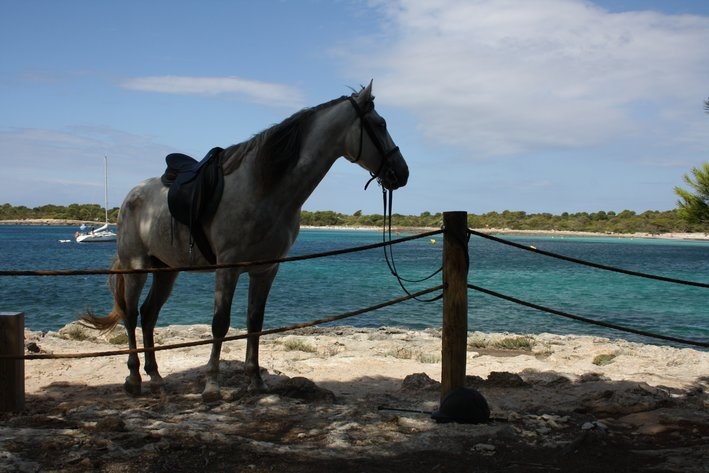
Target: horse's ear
(365,95)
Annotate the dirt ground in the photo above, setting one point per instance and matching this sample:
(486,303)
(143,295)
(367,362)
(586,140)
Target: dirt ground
(355,400)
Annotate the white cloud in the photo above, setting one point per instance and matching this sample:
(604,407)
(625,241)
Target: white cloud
(513,76)
(255,91)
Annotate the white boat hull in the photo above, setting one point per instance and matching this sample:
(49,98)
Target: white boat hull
(99,236)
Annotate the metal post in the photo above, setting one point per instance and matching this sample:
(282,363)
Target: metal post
(455,301)
(12,372)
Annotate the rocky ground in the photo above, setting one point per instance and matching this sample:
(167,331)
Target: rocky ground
(353,400)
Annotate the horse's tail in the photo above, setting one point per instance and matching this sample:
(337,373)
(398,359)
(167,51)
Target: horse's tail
(107,323)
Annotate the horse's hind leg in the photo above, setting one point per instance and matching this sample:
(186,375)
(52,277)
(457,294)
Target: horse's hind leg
(133,286)
(149,312)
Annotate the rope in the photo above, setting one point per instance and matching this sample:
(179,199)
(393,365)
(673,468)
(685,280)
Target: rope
(51,356)
(389,257)
(242,264)
(588,263)
(587,320)
(389,253)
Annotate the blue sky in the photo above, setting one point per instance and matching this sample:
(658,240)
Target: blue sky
(539,106)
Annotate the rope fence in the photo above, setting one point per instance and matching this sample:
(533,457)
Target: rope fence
(409,295)
(580,318)
(587,263)
(209,341)
(586,319)
(214,267)
(453,292)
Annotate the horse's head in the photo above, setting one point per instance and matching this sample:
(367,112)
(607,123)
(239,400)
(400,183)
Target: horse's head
(377,151)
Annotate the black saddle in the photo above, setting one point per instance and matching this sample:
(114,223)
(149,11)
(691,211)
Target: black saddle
(196,188)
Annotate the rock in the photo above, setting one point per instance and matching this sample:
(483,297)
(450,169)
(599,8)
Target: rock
(626,399)
(303,388)
(484,448)
(111,424)
(505,379)
(472,381)
(419,382)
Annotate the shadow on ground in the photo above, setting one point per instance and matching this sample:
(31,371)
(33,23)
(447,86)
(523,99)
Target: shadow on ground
(542,421)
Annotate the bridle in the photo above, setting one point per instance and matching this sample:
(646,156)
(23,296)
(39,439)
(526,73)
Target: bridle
(388,199)
(366,125)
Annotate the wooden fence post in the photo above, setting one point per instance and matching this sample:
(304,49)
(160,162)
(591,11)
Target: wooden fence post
(455,301)
(12,372)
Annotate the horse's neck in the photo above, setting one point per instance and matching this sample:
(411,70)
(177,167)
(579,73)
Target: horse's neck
(325,142)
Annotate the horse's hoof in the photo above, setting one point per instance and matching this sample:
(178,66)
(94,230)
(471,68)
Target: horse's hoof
(258,385)
(158,388)
(211,392)
(157,384)
(132,387)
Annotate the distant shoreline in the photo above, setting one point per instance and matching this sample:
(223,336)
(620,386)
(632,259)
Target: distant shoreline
(48,222)
(697,236)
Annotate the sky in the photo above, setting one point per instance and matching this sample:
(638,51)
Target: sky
(527,105)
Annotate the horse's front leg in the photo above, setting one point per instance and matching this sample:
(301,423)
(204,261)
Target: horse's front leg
(224,287)
(259,287)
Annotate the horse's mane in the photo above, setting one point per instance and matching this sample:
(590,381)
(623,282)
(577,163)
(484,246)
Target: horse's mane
(278,147)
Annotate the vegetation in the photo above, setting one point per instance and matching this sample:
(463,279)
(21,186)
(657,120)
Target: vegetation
(409,353)
(482,341)
(694,206)
(603,359)
(296,344)
(523,343)
(83,212)
(627,221)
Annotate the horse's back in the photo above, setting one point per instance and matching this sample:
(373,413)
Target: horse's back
(143,201)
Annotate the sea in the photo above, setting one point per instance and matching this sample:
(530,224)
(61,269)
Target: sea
(323,287)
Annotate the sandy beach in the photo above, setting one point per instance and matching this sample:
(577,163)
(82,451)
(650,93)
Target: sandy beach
(493,231)
(352,399)
(699,236)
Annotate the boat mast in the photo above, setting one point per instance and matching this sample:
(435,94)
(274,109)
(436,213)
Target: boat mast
(105,186)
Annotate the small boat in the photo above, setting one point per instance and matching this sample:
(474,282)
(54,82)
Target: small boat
(98,235)
(104,233)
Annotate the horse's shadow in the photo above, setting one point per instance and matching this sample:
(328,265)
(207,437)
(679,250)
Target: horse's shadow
(187,384)
(296,417)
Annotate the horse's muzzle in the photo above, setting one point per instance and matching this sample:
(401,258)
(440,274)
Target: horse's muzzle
(395,175)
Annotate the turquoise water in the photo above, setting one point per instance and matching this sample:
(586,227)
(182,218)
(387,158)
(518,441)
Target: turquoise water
(312,289)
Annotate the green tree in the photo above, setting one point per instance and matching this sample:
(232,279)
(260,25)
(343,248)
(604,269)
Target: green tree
(693,206)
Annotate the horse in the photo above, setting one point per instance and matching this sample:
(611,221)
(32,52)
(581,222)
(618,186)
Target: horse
(266,181)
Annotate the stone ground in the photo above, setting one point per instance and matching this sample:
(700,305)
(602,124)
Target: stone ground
(340,399)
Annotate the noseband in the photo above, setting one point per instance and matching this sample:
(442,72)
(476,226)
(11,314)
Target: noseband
(366,125)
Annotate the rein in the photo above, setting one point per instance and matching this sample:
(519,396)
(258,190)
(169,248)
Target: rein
(388,201)
(365,125)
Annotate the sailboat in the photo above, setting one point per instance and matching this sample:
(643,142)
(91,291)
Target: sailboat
(103,233)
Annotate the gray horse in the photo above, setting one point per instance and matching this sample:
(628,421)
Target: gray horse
(266,181)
